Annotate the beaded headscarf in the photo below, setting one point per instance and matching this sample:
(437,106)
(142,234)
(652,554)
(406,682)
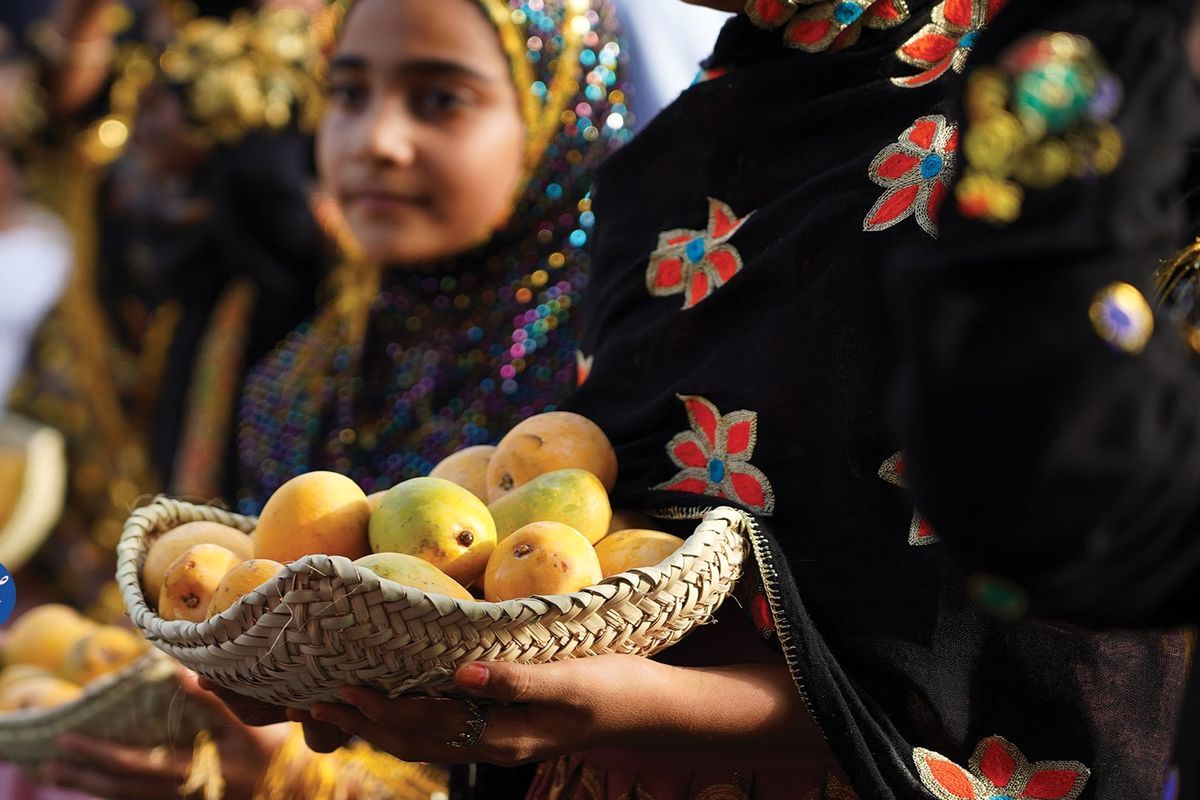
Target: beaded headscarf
(455,354)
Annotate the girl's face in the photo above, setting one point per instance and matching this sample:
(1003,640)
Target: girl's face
(423,145)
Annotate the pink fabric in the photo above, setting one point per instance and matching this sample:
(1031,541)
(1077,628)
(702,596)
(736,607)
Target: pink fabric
(15,786)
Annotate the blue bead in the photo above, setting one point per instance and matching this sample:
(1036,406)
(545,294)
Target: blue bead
(968,39)
(695,250)
(554,191)
(578,238)
(932,165)
(588,58)
(847,13)
(716,470)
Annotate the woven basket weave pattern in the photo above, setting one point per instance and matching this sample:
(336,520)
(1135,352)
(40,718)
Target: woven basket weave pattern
(324,623)
(141,706)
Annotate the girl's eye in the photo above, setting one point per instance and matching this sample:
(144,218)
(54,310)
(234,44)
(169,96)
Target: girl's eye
(435,102)
(347,95)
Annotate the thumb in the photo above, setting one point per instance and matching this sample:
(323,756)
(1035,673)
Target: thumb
(189,682)
(519,683)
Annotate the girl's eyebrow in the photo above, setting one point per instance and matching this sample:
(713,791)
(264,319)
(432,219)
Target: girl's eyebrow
(426,67)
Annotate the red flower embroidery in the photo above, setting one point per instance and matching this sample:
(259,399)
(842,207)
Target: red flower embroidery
(920,532)
(696,263)
(714,456)
(946,42)
(916,172)
(829,24)
(998,771)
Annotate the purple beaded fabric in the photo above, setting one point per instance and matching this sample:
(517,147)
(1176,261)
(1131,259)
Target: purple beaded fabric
(455,354)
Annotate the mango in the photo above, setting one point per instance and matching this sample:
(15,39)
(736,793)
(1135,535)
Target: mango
(541,558)
(630,549)
(40,692)
(415,572)
(318,512)
(44,635)
(624,519)
(467,468)
(171,545)
(438,521)
(105,650)
(573,497)
(191,581)
(240,581)
(374,501)
(548,442)
(19,672)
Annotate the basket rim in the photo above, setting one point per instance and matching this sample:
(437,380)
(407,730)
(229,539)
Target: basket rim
(130,554)
(99,689)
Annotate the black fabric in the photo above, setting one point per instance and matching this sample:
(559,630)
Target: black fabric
(892,654)
(1091,455)
(256,224)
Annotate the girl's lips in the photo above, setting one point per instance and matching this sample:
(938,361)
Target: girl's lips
(381,201)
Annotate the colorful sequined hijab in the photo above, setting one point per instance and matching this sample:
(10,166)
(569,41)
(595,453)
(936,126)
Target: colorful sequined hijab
(454,355)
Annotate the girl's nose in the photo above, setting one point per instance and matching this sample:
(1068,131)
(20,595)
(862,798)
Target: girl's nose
(388,134)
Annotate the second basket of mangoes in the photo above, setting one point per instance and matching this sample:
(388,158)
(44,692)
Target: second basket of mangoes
(504,553)
(64,673)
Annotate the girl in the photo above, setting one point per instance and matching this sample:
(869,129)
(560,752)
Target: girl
(458,145)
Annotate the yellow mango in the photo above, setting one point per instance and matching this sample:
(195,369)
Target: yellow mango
(546,443)
(191,581)
(573,497)
(415,572)
(438,521)
(542,558)
(630,549)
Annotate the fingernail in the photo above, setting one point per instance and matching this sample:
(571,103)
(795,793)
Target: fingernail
(347,695)
(472,676)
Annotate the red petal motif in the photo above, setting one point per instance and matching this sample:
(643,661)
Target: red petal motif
(747,488)
(897,205)
(737,438)
(897,165)
(1050,784)
(958,12)
(923,132)
(704,419)
(888,11)
(936,195)
(689,454)
(996,764)
(930,48)
(951,777)
(698,288)
(669,273)
(809,32)
(690,485)
(721,222)
(772,12)
(724,262)
(681,239)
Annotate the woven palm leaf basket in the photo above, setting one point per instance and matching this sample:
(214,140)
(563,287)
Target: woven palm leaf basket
(323,623)
(139,706)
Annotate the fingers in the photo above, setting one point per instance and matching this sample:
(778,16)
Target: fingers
(423,729)
(405,744)
(111,787)
(435,717)
(560,682)
(247,709)
(191,684)
(320,736)
(116,759)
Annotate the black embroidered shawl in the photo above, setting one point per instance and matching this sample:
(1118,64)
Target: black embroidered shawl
(743,352)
